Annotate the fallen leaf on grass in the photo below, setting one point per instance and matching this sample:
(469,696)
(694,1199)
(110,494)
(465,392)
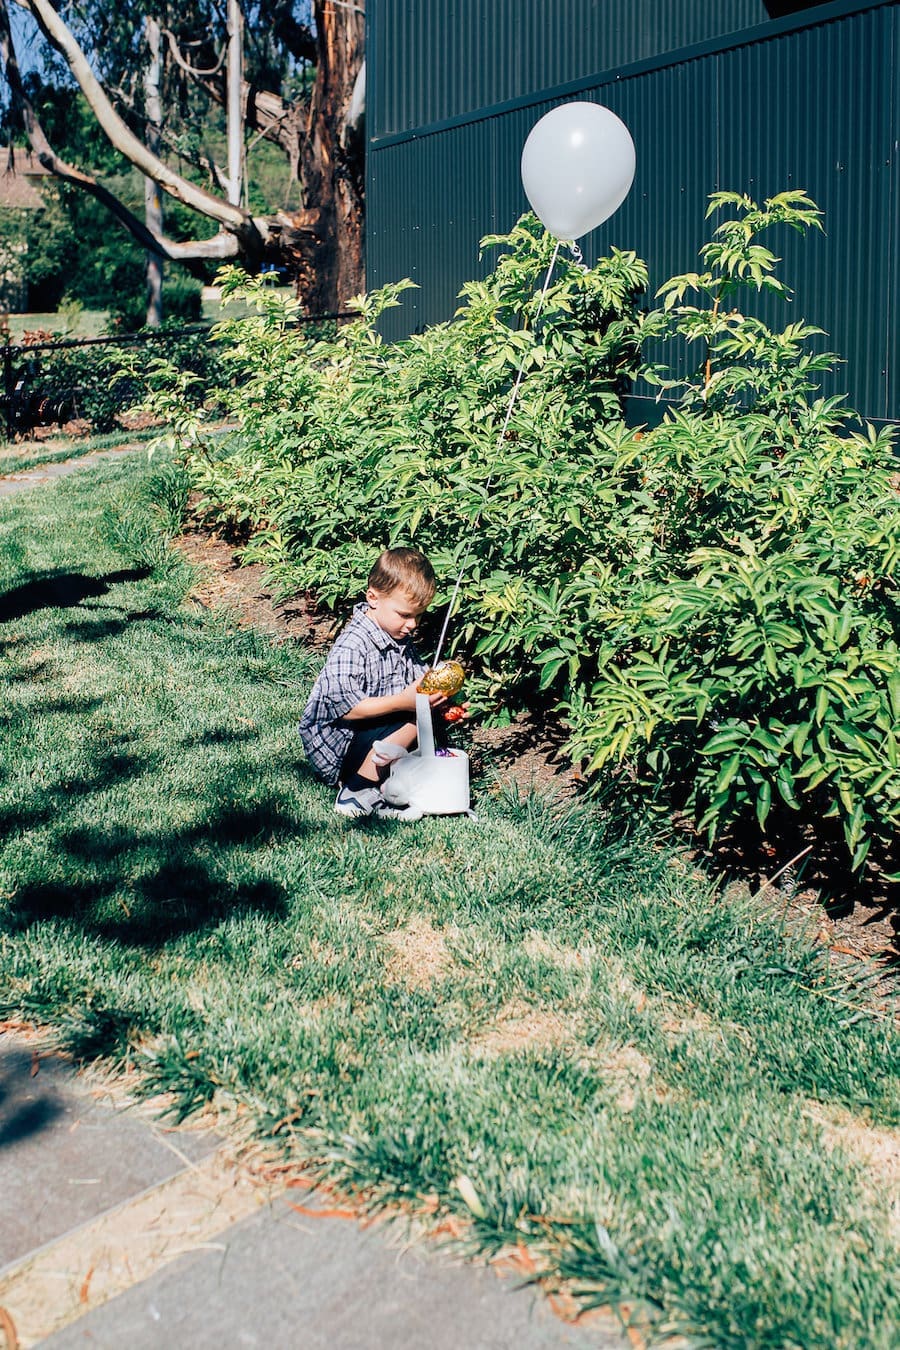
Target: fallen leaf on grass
(516,1260)
(286,1120)
(83,1291)
(313,1213)
(561,1307)
(471,1197)
(8,1327)
(450,1227)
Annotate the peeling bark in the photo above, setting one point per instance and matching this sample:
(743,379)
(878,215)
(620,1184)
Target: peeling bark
(329,237)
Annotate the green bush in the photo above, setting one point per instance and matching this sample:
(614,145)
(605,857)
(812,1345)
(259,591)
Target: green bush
(712,602)
(347,444)
(747,641)
(748,651)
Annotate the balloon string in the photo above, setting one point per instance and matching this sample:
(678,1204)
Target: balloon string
(500,439)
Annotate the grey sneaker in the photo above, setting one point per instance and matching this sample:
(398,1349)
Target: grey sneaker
(355,802)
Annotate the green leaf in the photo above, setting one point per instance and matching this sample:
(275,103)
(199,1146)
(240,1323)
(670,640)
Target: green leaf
(822,700)
(763,802)
(728,773)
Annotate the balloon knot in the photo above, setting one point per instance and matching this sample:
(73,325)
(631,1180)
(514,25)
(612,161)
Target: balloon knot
(578,256)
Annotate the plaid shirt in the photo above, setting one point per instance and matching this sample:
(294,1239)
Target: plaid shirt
(365,662)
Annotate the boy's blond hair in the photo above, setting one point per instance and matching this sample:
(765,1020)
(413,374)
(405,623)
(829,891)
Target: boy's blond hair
(405,567)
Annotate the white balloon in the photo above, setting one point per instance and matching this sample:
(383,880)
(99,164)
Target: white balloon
(577,168)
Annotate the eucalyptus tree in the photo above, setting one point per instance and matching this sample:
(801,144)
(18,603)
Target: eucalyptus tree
(288,71)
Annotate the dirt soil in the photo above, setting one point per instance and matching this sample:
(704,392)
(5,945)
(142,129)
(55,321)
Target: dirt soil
(860,927)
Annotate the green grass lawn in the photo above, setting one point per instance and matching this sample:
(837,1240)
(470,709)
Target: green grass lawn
(90,323)
(84,323)
(539,1021)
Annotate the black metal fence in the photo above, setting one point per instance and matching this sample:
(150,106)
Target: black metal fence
(89,383)
(83,380)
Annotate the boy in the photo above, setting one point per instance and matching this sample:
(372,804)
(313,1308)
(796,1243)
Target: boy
(366,691)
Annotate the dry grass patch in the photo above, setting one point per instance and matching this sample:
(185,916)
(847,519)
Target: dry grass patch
(519,1027)
(539,947)
(876,1148)
(693,1022)
(584,958)
(623,1069)
(323,953)
(419,954)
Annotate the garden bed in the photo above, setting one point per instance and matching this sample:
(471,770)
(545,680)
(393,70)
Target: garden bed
(861,924)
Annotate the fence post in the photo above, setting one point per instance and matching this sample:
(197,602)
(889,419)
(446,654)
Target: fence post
(8,387)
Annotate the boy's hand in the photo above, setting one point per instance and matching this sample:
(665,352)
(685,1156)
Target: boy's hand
(409,697)
(457,712)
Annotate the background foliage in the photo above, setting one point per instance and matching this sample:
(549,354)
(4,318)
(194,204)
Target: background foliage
(712,601)
(101,381)
(77,252)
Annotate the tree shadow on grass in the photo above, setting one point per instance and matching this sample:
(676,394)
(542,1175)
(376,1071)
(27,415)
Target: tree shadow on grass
(147,886)
(105,846)
(96,629)
(62,590)
(182,896)
(218,736)
(112,768)
(78,705)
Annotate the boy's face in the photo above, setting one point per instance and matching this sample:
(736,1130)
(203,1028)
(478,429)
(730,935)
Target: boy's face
(395,611)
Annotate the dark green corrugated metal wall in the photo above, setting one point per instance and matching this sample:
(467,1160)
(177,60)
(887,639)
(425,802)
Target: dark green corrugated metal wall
(715,96)
(442,58)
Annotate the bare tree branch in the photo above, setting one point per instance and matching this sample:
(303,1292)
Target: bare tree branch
(231,217)
(185,65)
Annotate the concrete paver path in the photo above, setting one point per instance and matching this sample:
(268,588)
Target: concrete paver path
(13,481)
(119,1232)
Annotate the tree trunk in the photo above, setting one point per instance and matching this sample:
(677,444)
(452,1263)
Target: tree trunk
(153,212)
(328,237)
(234,100)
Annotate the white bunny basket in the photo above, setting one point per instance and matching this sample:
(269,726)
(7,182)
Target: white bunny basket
(427,783)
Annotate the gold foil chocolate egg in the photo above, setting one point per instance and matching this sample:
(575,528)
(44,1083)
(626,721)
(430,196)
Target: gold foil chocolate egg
(444,678)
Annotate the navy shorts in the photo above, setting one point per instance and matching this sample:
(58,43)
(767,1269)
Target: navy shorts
(365,737)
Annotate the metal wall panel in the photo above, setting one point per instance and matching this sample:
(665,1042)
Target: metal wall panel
(828,127)
(426,214)
(442,58)
(815,108)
